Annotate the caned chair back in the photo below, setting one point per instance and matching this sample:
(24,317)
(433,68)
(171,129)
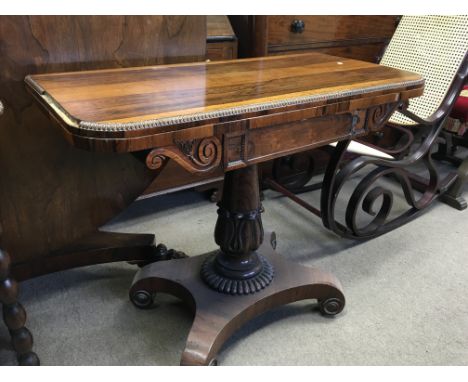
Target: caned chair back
(434,47)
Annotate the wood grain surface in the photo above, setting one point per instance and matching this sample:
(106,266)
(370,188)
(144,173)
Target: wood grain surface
(141,102)
(318,29)
(139,94)
(218,28)
(52,195)
(217,315)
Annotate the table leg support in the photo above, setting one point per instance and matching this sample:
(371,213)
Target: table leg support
(237,268)
(242,280)
(14,315)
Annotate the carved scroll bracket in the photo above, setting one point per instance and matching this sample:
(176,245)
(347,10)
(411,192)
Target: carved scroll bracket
(377,116)
(195,156)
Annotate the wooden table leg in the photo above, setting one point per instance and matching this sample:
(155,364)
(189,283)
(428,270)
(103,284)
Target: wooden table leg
(14,315)
(245,278)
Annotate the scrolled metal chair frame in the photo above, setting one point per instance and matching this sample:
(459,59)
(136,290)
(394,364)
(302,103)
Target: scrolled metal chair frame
(367,192)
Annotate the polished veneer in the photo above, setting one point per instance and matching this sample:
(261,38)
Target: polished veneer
(221,44)
(359,37)
(14,314)
(322,32)
(221,41)
(53,197)
(228,115)
(125,110)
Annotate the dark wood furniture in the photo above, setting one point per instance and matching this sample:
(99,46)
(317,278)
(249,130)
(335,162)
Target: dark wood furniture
(53,197)
(53,203)
(220,38)
(14,314)
(230,115)
(221,44)
(360,37)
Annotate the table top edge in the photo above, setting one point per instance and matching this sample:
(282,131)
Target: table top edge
(96,126)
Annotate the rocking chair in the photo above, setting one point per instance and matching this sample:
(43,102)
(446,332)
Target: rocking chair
(454,135)
(437,48)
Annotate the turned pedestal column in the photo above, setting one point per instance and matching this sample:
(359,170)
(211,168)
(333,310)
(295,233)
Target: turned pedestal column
(238,268)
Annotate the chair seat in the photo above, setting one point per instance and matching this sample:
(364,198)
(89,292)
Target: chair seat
(460,109)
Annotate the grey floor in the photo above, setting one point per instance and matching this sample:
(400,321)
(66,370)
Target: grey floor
(407,300)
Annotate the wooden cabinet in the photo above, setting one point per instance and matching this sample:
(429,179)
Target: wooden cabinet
(297,32)
(53,197)
(221,41)
(360,37)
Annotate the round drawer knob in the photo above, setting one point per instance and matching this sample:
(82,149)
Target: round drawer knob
(297,26)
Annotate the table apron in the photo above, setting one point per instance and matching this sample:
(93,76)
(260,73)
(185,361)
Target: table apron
(255,145)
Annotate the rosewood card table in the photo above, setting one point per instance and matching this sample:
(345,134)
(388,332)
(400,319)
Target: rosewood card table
(233,114)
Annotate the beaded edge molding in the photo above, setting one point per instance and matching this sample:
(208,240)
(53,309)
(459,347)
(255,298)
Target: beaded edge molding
(196,117)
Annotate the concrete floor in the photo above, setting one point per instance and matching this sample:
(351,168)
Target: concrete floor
(407,300)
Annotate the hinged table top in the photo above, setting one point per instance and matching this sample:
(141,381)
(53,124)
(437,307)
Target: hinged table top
(121,97)
(140,101)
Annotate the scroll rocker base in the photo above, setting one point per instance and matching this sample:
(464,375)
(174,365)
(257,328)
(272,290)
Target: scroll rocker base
(217,315)
(453,197)
(457,202)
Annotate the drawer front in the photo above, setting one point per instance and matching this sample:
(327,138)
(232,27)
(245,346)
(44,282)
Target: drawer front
(365,52)
(316,30)
(217,51)
(293,137)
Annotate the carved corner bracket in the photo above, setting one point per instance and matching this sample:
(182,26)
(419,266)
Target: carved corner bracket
(377,116)
(195,156)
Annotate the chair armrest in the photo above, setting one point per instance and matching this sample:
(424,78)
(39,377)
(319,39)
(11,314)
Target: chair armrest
(404,110)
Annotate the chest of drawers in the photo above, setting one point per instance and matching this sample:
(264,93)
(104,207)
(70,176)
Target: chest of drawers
(358,37)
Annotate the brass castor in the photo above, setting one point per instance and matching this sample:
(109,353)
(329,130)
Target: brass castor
(331,306)
(142,299)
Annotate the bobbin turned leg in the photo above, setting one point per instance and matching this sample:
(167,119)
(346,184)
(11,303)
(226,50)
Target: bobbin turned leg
(14,315)
(243,279)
